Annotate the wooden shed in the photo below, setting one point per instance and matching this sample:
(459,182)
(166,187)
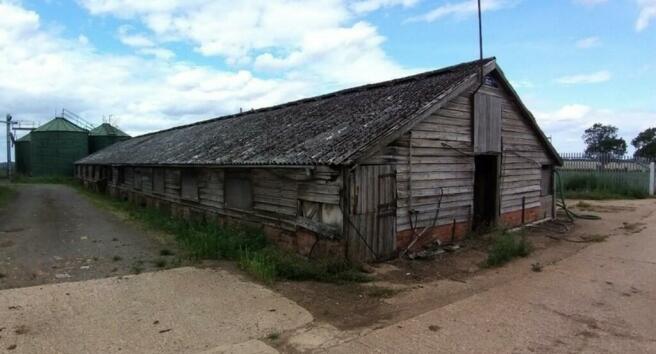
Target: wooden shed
(363,173)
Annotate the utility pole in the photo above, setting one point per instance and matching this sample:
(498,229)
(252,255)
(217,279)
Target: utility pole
(8,124)
(480,37)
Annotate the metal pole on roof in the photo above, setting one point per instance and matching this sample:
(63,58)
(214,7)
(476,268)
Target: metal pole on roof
(8,123)
(480,37)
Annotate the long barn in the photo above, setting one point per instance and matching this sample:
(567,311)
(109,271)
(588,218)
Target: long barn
(363,173)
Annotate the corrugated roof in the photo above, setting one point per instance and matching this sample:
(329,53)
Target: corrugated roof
(329,129)
(60,124)
(107,129)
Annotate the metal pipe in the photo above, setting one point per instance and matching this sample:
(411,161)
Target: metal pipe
(523,209)
(8,123)
(480,38)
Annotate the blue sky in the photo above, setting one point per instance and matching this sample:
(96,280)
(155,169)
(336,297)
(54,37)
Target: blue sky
(156,64)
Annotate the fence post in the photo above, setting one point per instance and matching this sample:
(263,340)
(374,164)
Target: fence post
(652,171)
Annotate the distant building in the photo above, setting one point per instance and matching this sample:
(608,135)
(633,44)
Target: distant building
(23,155)
(105,135)
(363,173)
(52,148)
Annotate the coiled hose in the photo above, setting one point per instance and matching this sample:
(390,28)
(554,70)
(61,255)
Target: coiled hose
(561,203)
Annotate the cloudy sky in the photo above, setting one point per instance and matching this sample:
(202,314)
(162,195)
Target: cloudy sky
(157,64)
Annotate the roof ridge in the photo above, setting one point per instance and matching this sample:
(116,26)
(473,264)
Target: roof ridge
(327,95)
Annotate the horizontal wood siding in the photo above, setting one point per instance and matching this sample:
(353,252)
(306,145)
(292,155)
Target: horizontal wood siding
(276,192)
(523,157)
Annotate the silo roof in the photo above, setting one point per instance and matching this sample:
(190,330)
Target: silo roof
(27,137)
(107,129)
(60,124)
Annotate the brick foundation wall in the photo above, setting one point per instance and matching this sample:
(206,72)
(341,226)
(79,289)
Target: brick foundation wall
(444,233)
(514,218)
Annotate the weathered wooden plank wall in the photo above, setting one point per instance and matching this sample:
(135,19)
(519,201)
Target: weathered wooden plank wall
(276,192)
(523,157)
(441,157)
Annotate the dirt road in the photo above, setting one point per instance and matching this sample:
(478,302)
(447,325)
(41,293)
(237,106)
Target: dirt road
(601,299)
(50,233)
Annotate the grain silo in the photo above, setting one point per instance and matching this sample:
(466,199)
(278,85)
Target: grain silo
(23,155)
(55,146)
(105,135)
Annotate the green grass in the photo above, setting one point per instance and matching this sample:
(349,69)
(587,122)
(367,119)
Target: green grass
(506,246)
(599,185)
(44,180)
(6,193)
(246,245)
(160,263)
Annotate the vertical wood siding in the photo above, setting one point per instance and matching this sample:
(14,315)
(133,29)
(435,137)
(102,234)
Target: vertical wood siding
(523,157)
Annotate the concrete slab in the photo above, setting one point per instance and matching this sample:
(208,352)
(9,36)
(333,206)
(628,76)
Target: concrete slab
(180,310)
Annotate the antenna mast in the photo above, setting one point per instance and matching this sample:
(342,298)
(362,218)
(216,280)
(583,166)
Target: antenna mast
(480,38)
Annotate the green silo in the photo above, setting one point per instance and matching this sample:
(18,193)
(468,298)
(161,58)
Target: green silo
(105,135)
(23,155)
(55,146)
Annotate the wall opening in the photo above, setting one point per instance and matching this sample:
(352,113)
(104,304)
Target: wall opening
(238,191)
(486,192)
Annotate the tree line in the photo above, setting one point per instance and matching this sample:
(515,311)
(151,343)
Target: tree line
(603,140)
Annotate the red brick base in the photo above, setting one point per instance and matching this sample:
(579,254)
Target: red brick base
(514,218)
(444,233)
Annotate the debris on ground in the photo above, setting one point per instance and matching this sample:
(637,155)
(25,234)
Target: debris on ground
(536,267)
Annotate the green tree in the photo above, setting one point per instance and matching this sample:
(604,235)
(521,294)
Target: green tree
(645,144)
(602,140)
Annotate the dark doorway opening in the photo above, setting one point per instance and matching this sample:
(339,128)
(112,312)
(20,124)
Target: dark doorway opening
(486,192)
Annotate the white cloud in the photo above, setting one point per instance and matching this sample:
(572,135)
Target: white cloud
(133,40)
(588,42)
(565,113)
(41,72)
(160,53)
(592,78)
(320,40)
(143,44)
(647,14)
(567,123)
(461,9)
(590,3)
(363,6)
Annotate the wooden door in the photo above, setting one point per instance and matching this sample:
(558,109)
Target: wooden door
(372,222)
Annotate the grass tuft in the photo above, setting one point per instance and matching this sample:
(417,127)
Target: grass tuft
(44,180)
(6,194)
(160,263)
(273,336)
(505,247)
(246,245)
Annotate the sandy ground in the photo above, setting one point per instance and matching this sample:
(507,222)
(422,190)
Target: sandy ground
(599,299)
(184,310)
(50,233)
